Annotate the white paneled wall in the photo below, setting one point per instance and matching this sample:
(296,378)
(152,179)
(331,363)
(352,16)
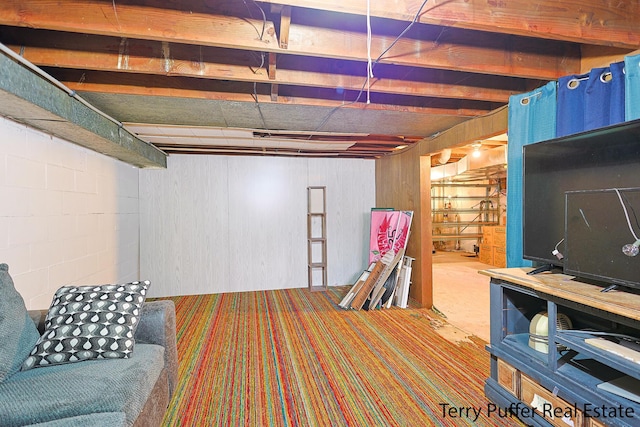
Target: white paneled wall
(68,215)
(212,224)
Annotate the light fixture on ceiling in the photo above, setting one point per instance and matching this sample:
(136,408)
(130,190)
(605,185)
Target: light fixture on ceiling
(445,156)
(476,149)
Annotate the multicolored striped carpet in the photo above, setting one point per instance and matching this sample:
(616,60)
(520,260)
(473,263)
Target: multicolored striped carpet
(294,358)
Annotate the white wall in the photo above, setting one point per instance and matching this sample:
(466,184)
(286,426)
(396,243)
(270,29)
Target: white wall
(68,215)
(212,224)
(209,224)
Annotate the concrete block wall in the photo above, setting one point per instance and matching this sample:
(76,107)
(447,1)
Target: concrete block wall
(68,215)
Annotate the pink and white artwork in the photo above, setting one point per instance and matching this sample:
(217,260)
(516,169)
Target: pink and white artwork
(389,230)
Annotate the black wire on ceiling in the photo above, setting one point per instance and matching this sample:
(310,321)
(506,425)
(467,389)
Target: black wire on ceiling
(413,21)
(374,63)
(255,84)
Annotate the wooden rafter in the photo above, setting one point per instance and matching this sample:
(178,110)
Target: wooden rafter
(285,25)
(204,93)
(272,76)
(582,21)
(470,52)
(145,57)
(306,59)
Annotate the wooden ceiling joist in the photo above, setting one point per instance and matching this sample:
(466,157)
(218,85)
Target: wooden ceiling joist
(197,90)
(462,51)
(281,66)
(146,57)
(581,21)
(272,66)
(285,25)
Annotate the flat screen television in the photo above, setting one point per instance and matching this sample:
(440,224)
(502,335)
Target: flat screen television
(600,159)
(600,232)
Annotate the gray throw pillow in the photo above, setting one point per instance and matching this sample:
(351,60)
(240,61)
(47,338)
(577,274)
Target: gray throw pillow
(89,322)
(18,333)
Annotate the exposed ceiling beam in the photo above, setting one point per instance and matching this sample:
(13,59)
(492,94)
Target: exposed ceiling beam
(146,57)
(198,90)
(301,65)
(285,24)
(149,23)
(467,51)
(476,52)
(582,21)
(31,98)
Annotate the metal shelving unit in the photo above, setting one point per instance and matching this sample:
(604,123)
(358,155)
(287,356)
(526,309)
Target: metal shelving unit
(458,217)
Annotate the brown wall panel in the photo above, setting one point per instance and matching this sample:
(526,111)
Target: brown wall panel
(403,181)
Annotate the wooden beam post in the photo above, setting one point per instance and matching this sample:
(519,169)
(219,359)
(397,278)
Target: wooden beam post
(285,25)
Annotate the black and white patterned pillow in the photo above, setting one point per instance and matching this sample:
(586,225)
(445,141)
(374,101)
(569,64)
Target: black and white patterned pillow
(89,322)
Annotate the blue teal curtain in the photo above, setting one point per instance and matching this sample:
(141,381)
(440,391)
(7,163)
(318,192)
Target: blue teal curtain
(632,87)
(531,119)
(617,97)
(570,110)
(591,100)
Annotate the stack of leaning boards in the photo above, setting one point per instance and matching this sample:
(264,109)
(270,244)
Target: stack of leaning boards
(370,285)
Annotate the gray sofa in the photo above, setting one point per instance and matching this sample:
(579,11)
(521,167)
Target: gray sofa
(133,391)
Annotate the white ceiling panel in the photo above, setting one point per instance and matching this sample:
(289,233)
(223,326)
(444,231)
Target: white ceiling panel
(204,136)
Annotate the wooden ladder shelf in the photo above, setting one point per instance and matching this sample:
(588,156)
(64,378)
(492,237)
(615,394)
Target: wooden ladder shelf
(317,238)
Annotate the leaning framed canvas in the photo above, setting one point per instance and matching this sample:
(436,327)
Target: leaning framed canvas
(389,230)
